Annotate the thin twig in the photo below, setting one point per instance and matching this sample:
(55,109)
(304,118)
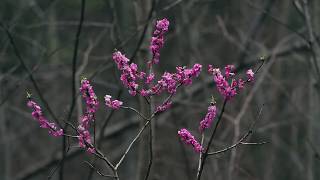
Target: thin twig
(200,156)
(241,141)
(97,171)
(151,153)
(134,110)
(132,142)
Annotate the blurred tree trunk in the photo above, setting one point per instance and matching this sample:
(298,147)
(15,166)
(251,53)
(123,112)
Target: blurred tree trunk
(143,8)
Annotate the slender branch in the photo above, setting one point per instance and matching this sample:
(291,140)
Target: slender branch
(136,111)
(151,153)
(104,158)
(132,142)
(200,156)
(97,171)
(240,142)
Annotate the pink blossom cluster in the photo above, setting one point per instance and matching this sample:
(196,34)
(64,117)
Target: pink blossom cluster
(226,84)
(157,40)
(85,136)
(188,138)
(113,104)
(150,78)
(207,121)
(250,75)
(92,104)
(44,123)
(89,96)
(130,74)
(170,81)
(166,105)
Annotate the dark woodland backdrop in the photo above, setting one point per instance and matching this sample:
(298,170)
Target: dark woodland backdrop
(219,32)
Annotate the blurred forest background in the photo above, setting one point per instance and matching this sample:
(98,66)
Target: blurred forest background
(38,39)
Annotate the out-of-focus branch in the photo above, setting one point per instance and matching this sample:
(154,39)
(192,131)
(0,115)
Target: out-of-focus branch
(73,85)
(33,81)
(304,11)
(256,26)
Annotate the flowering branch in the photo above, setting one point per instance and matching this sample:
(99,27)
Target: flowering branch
(205,154)
(148,85)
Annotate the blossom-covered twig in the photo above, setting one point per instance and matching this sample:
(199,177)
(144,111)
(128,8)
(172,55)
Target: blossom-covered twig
(158,40)
(92,104)
(44,123)
(188,138)
(113,104)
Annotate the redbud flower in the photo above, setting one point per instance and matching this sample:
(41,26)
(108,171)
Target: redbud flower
(157,40)
(250,75)
(184,75)
(150,78)
(207,121)
(92,104)
(222,84)
(114,104)
(164,106)
(44,123)
(187,138)
(170,81)
(229,71)
(241,84)
(89,96)
(130,73)
(226,89)
(85,138)
(144,92)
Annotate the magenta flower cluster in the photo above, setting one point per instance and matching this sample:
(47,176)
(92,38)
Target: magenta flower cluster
(166,105)
(188,138)
(89,96)
(170,81)
(226,89)
(129,71)
(44,123)
(204,124)
(113,104)
(207,121)
(92,105)
(130,74)
(250,75)
(157,40)
(132,78)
